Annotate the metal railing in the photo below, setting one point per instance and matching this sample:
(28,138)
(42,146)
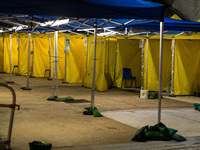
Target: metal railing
(12,106)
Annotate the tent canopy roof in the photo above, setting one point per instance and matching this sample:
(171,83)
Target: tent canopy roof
(85,8)
(107,13)
(169,24)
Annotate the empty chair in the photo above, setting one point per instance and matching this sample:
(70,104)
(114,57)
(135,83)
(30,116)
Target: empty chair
(14,66)
(127,75)
(46,70)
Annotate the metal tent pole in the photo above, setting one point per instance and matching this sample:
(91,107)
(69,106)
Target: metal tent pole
(147,61)
(94,67)
(56,61)
(32,52)
(18,54)
(172,72)
(28,66)
(108,53)
(86,53)
(142,66)
(10,60)
(54,84)
(49,58)
(65,80)
(160,71)
(115,67)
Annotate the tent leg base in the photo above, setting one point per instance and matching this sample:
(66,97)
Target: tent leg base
(10,82)
(172,95)
(87,112)
(26,88)
(52,98)
(32,76)
(64,82)
(18,74)
(50,79)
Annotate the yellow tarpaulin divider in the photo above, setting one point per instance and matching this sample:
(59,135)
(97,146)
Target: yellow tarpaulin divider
(187,67)
(1,54)
(111,47)
(128,56)
(76,60)
(100,77)
(90,53)
(61,56)
(153,65)
(41,56)
(7,54)
(23,54)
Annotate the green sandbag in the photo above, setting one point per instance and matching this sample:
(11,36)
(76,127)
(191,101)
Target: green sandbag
(161,128)
(178,138)
(197,106)
(140,134)
(154,135)
(153,95)
(96,113)
(172,131)
(64,99)
(38,145)
(154,128)
(165,131)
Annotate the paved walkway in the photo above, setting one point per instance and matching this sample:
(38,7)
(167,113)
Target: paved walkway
(185,120)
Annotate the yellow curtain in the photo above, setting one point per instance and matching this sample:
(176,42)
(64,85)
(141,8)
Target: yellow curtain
(111,47)
(128,56)
(1,54)
(187,67)
(153,65)
(7,54)
(23,54)
(76,60)
(90,53)
(41,56)
(100,77)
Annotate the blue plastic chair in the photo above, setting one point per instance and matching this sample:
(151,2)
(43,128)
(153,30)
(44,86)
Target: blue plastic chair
(127,75)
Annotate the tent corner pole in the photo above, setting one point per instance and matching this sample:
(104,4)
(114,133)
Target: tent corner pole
(55,73)
(49,38)
(86,54)
(18,60)
(28,65)
(160,70)
(108,69)
(172,71)
(65,80)
(32,52)
(94,67)
(56,61)
(147,60)
(142,66)
(115,67)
